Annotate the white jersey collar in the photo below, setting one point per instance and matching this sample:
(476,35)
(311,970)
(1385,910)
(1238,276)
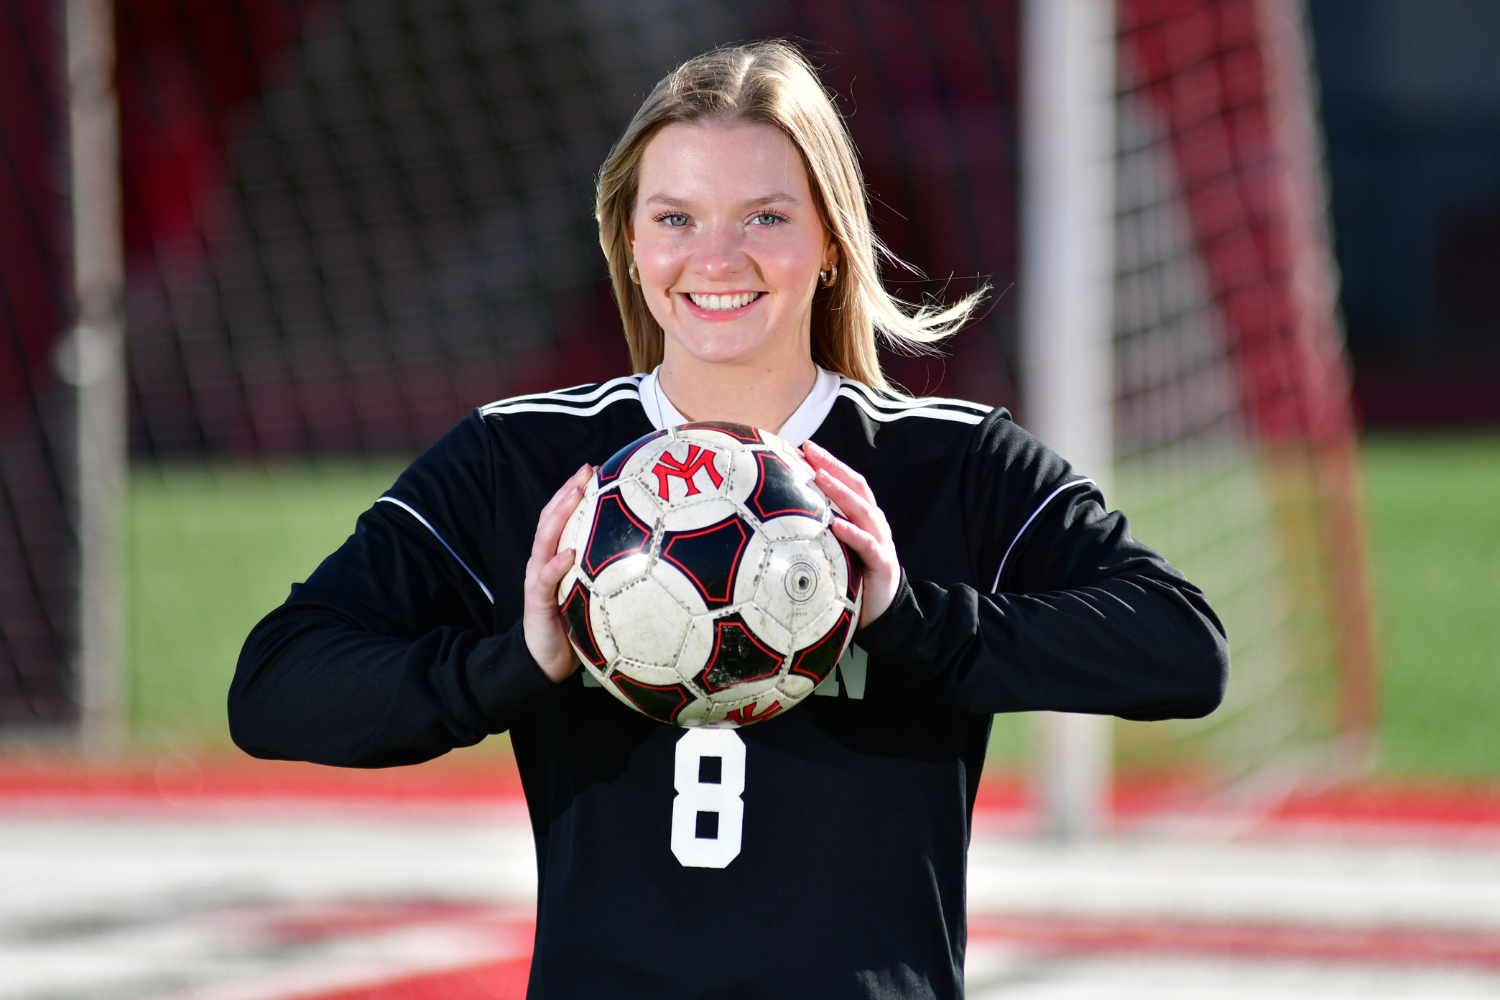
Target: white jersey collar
(807,418)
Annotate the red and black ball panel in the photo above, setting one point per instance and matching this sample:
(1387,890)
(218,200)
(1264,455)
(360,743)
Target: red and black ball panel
(616,533)
(815,662)
(663,702)
(610,470)
(709,557)
(575,612)
(855,574)
(778,493)
(739,656)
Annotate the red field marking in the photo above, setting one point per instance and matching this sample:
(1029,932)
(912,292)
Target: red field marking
(503,980)
(181,780)
(1394,945)
(1397,803)
(1004,800)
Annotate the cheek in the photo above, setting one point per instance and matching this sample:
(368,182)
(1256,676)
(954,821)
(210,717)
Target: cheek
(793,266)
(660,261)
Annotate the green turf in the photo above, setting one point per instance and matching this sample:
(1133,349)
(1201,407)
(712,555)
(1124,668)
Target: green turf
(1433,505)
(212,548)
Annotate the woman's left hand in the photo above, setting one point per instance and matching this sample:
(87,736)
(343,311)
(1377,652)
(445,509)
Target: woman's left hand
(866,530)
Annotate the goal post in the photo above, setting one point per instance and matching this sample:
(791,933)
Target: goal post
(1067,320)
(1181,345)
(92,357)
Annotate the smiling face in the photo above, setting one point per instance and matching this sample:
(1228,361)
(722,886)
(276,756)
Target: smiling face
(728,243)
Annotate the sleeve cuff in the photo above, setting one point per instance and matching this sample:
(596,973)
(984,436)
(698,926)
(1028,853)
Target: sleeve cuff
(898,628)
(503,676)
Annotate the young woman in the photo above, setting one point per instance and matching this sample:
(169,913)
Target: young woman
(733,215)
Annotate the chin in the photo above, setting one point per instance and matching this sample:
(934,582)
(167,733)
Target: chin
(723,350)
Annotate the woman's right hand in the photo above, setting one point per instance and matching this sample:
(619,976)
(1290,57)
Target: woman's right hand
(542,621)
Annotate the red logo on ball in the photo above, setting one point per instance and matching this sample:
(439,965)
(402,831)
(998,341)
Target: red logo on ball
(668,467)
(746,715)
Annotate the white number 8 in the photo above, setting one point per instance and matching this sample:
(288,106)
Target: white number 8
(708,814)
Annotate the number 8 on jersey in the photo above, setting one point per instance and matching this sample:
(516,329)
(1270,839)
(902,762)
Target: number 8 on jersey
(708,815)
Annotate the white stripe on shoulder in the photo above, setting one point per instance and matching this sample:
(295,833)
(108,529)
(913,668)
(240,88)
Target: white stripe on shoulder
(932,408)
(886,400)
(582,400)
(1039,508)
(444,542)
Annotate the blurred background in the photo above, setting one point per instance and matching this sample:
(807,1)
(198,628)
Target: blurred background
(345,224)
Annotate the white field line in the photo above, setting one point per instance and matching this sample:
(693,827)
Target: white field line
(1344,885)
(145,907)
(1002,974)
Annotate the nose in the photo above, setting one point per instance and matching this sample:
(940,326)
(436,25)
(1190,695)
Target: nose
(720,254)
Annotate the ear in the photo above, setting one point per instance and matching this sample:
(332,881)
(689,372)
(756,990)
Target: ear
(831,251)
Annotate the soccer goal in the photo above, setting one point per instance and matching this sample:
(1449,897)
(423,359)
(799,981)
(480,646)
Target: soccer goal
(346,224)
(1194,289)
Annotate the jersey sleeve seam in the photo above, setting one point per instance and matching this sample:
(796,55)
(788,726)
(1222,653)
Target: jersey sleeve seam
(1070,484)
(441,540)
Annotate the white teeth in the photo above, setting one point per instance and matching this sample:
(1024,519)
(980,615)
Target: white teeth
(721,303)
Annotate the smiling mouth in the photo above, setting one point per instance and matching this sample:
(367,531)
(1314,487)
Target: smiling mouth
(723,303)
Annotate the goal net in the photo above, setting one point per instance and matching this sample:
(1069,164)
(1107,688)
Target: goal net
(348,223)
(1234,440)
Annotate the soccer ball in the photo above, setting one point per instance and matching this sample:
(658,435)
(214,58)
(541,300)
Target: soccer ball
(708,589)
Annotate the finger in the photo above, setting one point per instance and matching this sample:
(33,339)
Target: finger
(822,458)
(550,526)
(551,574)
(864,544)
(855,507)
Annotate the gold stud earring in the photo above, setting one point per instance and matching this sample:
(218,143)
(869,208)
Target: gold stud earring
(635,274)
(828,277)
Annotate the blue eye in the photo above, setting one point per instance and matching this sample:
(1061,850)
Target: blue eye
(767,218)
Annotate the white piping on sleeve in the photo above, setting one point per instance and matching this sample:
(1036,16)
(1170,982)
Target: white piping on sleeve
(1040,507)
(455,555)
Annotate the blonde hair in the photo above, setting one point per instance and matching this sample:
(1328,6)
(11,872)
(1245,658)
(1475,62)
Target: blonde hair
(772,83)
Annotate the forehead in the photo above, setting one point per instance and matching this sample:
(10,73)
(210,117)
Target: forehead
(721,161)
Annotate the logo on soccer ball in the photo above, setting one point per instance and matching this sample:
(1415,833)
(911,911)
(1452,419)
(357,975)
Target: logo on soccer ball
(708,588)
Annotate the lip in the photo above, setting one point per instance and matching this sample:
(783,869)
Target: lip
(721,315)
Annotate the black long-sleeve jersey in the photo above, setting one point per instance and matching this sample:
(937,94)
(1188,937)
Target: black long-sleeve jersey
(1020,593)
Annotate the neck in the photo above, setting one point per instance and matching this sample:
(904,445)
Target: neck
(760,393)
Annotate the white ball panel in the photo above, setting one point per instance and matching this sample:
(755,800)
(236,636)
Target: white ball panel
(817,627)
(767,629)
(796,583)
(752,565)
(647,626)
(646,673)
(622,573)
(697,646)
(602,637)
(698,512)
(744,472)
(795,687)
(640,501)
(696,713)
(838,564)
(676,585)
(794,528)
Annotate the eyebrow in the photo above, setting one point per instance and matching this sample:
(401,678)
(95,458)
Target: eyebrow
(768,199)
